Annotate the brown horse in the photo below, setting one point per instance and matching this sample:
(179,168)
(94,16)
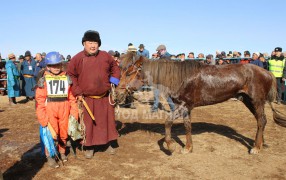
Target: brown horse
(191,84)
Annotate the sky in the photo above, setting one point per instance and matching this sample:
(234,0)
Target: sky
(183,26)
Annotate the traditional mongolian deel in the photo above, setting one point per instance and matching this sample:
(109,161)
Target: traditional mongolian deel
(13,85)
(91,76)
(27,70)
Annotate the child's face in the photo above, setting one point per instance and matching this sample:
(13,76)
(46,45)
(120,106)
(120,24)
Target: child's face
(55,69)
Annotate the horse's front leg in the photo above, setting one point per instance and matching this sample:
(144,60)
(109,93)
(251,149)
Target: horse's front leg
(188,126)
(261,122)
(168,139)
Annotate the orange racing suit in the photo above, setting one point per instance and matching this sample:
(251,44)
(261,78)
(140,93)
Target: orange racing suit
(55,103)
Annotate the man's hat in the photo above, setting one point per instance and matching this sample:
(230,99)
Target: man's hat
(21,57)
(43,54)
(161,47)
(27,53)
(91,35)
(131,49)
(278,49)
(141,46)
(111,52)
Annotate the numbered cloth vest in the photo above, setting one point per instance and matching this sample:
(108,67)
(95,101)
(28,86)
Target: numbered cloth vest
(276,67)
(57,86)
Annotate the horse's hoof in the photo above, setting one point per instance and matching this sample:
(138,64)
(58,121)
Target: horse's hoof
(171,146)
(186,151)
(254,151)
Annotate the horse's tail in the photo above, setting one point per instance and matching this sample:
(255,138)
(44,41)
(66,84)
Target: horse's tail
(278,117)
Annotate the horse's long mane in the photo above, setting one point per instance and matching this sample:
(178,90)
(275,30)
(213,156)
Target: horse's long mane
(170,75)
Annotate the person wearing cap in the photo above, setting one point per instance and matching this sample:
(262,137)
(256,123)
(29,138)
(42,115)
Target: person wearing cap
(93,72)
(246,58)
(255,60)
(43,55)
(13,85)
(162,52)
(209,60)
(115,55)
(276,65)
(142,51)
(55,103)
(27,70)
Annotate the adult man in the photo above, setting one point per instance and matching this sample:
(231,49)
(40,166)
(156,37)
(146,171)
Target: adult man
(21,79)
(92,71)
(142,51)
(43,55)
(209,60)
(277,66)
(246,58)
(162,51)
(27,70)
(40,63)
(255,59)
(13,75)
(191,55)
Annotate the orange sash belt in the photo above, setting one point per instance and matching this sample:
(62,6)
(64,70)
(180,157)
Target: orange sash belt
(98,97)
(28,75)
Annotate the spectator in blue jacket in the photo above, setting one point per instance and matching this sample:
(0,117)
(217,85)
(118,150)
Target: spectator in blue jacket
(255,59)
(162,51)
(40,64)
(28,70)
(13,85)
(142,51)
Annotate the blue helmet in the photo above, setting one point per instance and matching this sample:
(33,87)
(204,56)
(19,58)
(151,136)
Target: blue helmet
(53,58)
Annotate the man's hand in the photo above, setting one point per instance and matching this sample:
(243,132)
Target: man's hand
(79,98)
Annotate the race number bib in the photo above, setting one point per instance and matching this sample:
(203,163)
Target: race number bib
(57,86)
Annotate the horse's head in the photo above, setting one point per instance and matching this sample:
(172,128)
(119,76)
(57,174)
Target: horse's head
(131,80)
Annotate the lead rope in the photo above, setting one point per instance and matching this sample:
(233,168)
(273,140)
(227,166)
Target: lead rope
(113,96)
(112,93)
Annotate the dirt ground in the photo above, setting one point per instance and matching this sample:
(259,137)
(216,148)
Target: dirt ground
(222,136)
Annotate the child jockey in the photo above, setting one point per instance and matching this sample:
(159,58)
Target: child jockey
(55,103)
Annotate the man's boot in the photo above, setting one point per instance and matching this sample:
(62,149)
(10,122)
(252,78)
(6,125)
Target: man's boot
(11,101)
(52,162)
(88,154)
(110,150)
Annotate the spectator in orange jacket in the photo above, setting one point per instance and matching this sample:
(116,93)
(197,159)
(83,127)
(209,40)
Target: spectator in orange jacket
(55,103)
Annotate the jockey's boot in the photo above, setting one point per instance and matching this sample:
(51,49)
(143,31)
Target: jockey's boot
(64,158)
(88,154)
(52,162)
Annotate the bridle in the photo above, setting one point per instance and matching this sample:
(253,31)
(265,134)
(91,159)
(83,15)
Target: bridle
(136,69)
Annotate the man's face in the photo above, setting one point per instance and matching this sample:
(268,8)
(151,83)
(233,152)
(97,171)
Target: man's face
(190,55)
(278,54)
(90,47)
(38,57)
(254,56)
(27,58)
